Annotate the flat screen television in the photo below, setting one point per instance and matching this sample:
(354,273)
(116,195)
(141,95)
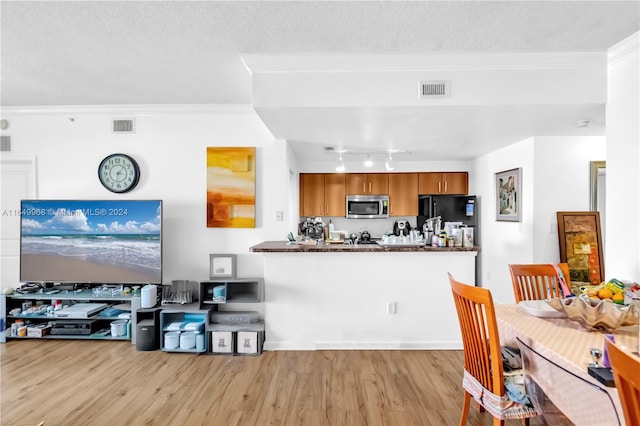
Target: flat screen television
(91,241)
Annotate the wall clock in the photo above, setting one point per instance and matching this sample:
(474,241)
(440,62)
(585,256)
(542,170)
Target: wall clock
(119,173)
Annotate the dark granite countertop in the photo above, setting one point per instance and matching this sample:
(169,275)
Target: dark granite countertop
(286,247)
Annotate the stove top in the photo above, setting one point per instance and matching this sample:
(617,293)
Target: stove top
(368,242)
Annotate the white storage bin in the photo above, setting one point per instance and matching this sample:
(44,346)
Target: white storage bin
(119,328)
(247,342)
(187,340)
(222,342)
(172,340)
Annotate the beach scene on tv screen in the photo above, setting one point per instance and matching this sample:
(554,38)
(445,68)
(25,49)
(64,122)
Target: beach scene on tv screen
(91,241)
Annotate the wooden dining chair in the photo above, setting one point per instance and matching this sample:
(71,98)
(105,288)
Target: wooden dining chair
(626,375)
(483,375)
(538,281)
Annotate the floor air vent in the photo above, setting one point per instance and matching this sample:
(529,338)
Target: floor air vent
(123,126)
(435,89)
(5,143)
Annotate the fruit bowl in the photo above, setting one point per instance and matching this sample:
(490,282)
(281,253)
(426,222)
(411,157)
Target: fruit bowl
(603,315)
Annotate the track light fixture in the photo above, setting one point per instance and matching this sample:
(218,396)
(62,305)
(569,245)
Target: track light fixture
(340,168)
(387,155)
(388,165)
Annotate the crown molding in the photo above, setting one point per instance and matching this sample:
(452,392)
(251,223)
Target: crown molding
(624,49)
(312,63)
(131,109)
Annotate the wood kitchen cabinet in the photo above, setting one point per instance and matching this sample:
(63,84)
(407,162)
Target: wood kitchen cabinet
(322,194)
(367,183)
(403,194)
(435,183)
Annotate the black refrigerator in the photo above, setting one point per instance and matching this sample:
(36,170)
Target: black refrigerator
(452,208)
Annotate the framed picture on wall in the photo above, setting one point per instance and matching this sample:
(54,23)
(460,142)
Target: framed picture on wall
(509,195)
(231,187)
(580,239)
(222,266)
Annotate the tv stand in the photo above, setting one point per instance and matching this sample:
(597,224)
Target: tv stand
(100,321)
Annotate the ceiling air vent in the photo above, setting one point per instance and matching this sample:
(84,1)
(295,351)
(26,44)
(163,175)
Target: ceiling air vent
(123,126)
(435,89)
(5,143)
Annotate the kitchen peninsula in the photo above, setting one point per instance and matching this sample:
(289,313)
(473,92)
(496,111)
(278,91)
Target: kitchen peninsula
(338,296)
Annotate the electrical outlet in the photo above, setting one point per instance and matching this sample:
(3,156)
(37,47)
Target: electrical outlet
(392,307)
(279,216)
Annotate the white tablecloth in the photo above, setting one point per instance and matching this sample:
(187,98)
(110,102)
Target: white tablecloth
(566,343)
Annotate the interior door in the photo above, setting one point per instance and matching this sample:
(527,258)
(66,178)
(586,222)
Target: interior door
(18,182)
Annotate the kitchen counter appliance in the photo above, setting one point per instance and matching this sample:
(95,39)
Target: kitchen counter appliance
(312,228)
(401,228)
(367,206)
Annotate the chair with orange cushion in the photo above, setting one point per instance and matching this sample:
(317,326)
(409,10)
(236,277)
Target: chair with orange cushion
(626,375)
(537,281)
(483,375)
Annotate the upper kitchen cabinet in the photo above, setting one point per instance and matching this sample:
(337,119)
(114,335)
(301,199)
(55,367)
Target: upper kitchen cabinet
(334,194)
(403,194)
(322,194)
(367,183)
(434,183)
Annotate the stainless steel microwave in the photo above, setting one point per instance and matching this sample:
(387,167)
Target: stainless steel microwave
(367,206)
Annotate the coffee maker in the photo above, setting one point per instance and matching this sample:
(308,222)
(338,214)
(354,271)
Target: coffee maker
(311,228)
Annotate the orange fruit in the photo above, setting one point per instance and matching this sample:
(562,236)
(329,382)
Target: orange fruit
(605,293)
(618,298)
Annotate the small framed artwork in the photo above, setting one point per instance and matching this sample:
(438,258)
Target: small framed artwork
(580,241)
(509,195)
(222,266)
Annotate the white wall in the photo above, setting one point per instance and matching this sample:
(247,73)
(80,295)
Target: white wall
(555,177)
(562,183)
(170,145)
(622,258)
(504,242)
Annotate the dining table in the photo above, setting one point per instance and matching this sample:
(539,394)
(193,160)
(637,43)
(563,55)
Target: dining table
(567,344)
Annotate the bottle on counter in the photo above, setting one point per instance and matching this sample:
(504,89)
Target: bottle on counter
(442,239)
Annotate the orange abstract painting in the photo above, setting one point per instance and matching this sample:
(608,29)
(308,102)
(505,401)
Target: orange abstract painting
(231,187)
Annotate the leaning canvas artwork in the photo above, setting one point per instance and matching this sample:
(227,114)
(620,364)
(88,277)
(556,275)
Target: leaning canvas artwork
(231,187)
(580,241)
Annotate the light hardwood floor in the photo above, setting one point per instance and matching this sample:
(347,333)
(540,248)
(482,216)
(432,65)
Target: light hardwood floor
(67,382)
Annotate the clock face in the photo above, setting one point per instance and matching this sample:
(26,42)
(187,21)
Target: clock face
(119,173)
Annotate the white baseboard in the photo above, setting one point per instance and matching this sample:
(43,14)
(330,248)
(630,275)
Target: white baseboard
(345,346)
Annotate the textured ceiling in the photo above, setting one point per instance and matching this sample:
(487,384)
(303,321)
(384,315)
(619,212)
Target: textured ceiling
(189,52)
